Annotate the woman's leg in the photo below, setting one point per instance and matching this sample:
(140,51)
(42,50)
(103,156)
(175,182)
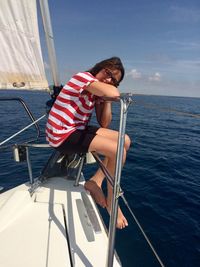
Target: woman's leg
(105,143)
(94,184)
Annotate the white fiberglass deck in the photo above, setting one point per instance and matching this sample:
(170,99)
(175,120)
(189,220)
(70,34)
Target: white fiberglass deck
(33,229)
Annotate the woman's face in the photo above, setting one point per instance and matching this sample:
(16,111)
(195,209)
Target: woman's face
(109,76)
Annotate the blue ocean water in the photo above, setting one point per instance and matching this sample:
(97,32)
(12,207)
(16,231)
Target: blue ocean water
(160,179)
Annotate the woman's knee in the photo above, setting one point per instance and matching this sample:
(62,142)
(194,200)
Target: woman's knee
(127,142)
(124,156)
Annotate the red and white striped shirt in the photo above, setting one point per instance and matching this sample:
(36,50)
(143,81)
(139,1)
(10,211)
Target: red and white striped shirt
(71,110)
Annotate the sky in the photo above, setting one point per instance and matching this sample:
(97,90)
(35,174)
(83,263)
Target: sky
(158,42)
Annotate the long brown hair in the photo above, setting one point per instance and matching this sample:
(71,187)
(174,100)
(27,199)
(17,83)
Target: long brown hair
(113,63)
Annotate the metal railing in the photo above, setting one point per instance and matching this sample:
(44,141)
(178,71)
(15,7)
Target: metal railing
(18,149)
(125,100)
(34,121)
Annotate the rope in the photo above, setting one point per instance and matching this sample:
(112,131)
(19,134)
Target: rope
(141,229)
(110,180)
(22,130)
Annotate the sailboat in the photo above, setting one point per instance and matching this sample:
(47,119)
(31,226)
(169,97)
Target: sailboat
(51,220)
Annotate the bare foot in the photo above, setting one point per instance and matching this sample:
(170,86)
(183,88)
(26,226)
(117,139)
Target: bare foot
(96,192)
(121,220)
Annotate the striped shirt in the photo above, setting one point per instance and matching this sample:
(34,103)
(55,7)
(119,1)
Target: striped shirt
(71,110)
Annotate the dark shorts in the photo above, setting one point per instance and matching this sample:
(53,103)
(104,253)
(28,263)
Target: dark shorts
(79,141)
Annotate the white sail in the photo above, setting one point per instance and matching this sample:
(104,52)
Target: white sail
(21,64)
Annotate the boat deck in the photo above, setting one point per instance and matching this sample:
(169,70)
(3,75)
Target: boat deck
(58,226)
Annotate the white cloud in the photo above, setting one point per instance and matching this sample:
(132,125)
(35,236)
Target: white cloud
(185,45)
(135,74)
(185,14)
(156,77)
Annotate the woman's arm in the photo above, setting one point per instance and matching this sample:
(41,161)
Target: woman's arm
(103,112)
(103,108)
(103,89)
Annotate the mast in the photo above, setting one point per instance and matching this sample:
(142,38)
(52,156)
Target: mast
(44,7)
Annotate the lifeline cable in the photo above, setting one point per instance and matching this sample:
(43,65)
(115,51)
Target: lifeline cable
(110,180)
(22,130)
(141,229)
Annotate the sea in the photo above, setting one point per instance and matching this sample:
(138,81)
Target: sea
(160,180)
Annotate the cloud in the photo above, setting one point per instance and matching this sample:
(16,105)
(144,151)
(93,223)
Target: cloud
(156,77)
(185,45)
(185,14)
(190,65)
(135,74)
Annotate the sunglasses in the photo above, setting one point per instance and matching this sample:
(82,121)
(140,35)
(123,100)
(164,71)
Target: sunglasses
(115,82)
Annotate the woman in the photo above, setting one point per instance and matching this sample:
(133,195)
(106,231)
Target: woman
(67,127)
